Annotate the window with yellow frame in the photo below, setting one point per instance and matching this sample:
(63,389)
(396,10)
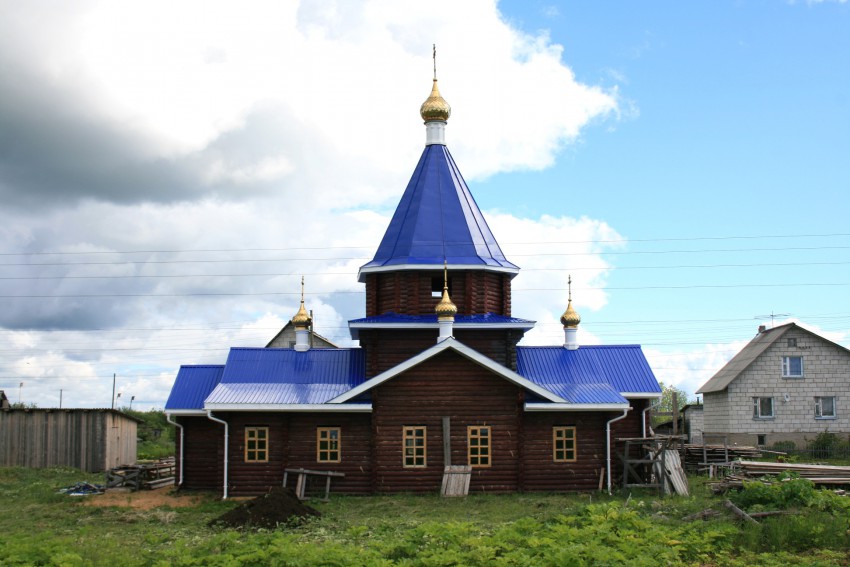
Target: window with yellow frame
(564,443)
(256,444)
(478,445)
(328,444)
(415,446)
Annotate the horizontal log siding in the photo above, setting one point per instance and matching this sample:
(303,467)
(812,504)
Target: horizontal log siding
(542,473)
(408,292)
(356,454)
(386,348)
(446,385)
(203,453)
(90,440)
(250,479)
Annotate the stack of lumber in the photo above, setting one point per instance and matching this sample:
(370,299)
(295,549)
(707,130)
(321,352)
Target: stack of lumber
(137,477)
(693,455)
(821,475)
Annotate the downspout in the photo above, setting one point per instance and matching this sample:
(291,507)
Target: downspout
(643,415)
(226,437)
(608,443)
(182,437)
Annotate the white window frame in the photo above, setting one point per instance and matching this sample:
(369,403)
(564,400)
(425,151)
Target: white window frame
(757,408)
(786,367)
(819,414)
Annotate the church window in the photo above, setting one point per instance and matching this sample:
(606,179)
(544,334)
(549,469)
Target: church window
(415,446)
(564,444)
(478,437)
(328,444)
(256,444)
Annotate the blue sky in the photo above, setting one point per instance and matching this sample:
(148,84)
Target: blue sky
(167,181)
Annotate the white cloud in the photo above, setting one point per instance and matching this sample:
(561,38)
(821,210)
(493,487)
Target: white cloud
(286,131)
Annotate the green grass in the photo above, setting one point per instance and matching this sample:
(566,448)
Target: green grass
(40,527)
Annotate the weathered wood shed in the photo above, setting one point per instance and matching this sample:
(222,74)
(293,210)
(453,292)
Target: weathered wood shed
(92,440)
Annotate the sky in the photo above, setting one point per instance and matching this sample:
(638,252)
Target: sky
(169,171)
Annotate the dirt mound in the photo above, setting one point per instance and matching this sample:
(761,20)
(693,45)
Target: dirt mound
(280,506)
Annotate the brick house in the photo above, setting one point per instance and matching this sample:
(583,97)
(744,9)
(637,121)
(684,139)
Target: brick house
(787,384)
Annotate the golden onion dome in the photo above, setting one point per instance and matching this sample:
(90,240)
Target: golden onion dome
(302,319)
(435,108)
(570,318)
(445,308)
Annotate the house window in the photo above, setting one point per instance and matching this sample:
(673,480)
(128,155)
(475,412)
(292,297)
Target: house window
(792,342)
(825,407)
(762,408)
(478,438)
(761,440)
(414,446)
(256,444)
(564,444)
(328,444)
(792,366)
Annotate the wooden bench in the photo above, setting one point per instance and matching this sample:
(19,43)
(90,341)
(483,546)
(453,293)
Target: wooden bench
(301,483)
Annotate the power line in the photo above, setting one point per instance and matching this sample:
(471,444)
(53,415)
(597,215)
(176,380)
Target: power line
(372,246)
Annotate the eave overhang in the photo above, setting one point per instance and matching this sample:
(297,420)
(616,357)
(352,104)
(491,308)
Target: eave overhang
(361,274)
(537,407)
(329,407)
(641,395)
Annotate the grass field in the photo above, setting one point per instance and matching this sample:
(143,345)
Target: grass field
(39,526)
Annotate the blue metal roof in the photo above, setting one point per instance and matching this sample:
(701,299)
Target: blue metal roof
(286,376)
(192,385)
(437,219)
(589,374)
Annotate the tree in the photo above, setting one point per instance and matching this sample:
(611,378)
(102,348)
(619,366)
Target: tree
(664,411)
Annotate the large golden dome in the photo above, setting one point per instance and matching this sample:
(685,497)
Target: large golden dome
(435,108)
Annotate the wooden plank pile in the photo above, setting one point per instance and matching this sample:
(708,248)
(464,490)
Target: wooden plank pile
(142,476)
(821,475)
(696,456)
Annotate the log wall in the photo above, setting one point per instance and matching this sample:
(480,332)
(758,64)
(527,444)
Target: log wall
(446,385)
(408,292)
(203,454)
(387,348)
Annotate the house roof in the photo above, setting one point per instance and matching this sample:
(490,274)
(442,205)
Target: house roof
(282,376)
(436,221)
(396,321)
(192,386)
(289,326)
(747,355)
(277,379)
(590,374)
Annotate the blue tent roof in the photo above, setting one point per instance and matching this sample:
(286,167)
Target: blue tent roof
(437,219)
(589,374)
(286,376)
(192,386)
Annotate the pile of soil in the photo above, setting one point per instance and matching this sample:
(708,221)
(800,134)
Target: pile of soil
(279,507)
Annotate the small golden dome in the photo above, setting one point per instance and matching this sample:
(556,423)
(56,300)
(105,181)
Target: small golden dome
(570,318)
(445,308)
(435,108)
(302,319)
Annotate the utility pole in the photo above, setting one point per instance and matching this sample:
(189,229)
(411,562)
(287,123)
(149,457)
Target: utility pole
(113,390)
(60,398)
(20,392)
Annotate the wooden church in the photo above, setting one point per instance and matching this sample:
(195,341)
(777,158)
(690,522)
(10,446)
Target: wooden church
(438,379)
